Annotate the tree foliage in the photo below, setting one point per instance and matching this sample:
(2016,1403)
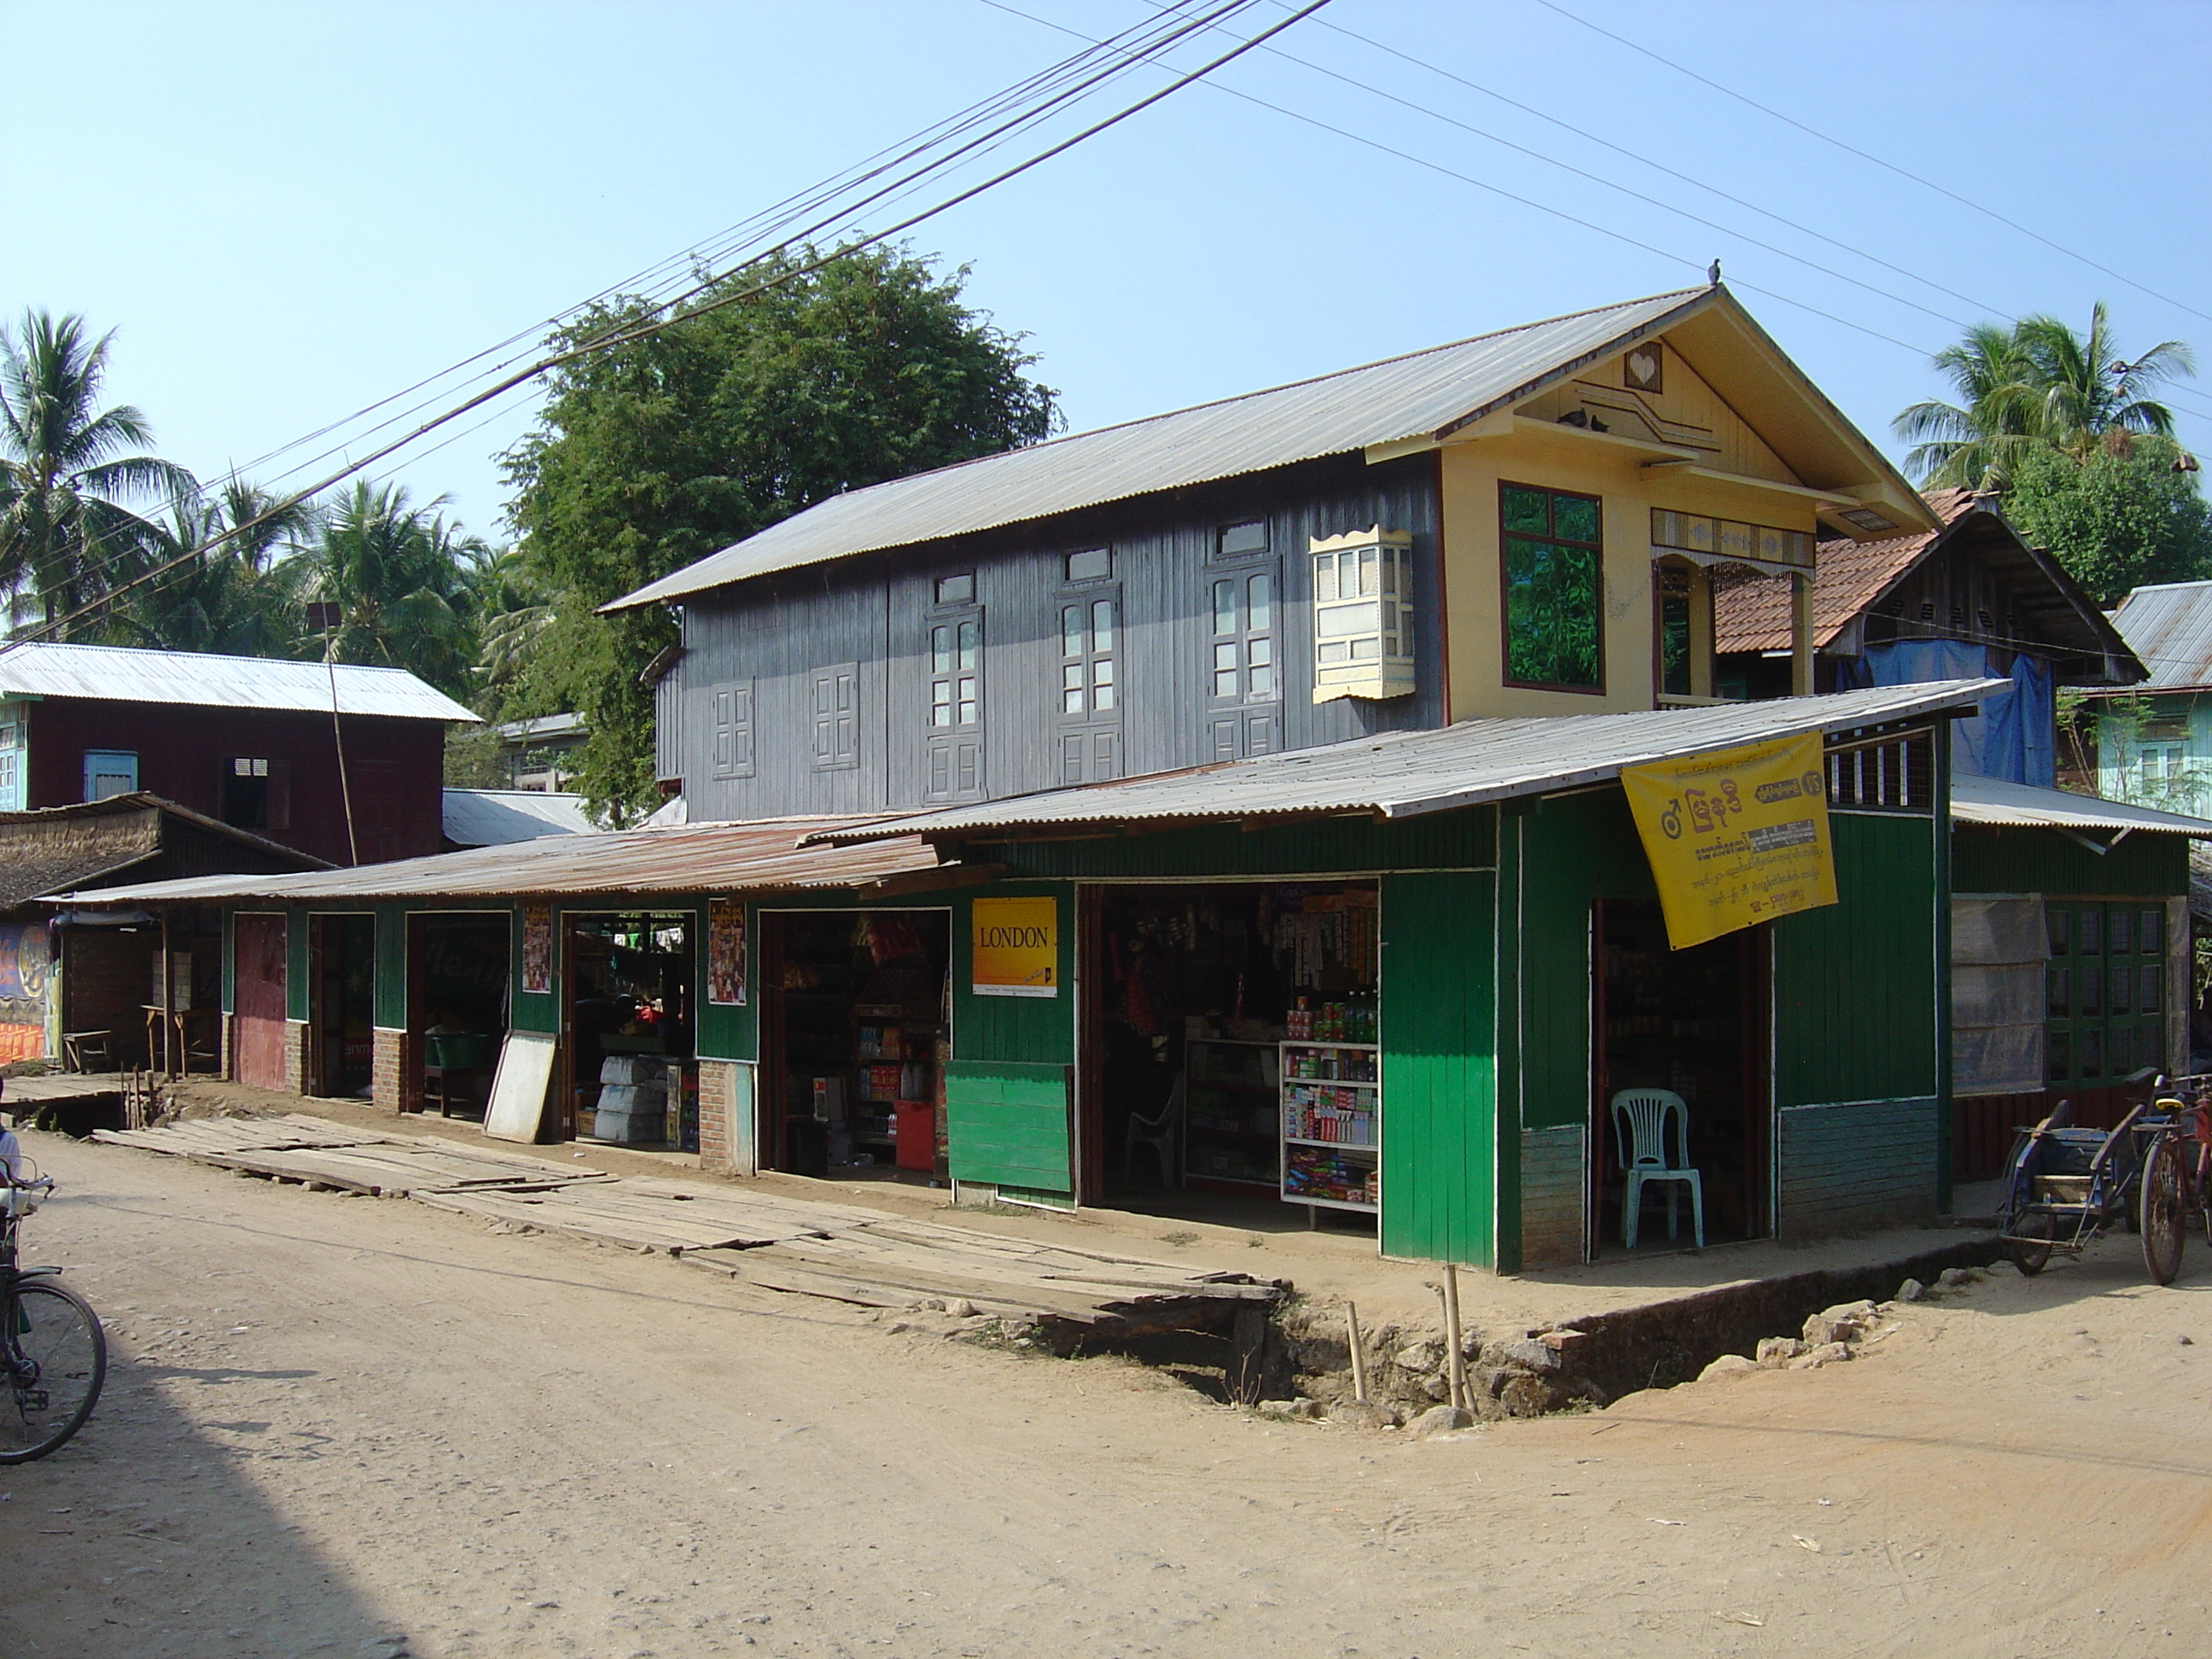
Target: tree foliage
(652,455)
(2115,520)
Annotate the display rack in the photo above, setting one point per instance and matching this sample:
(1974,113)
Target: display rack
(1229,1129)
(1331,1125)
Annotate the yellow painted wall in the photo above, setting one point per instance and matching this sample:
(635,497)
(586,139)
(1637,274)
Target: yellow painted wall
(1563,457)
(1688,412)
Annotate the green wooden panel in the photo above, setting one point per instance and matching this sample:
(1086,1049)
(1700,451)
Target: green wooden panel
(726,1033)
(1986,859)
(1577,850)
(1858,987)
(1439,841)
(1006,1121)
(1041,1029)
(299,956)
(528,1011)
(1439,1067)
(391,966)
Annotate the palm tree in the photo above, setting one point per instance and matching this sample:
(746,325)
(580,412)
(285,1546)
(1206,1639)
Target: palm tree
(226,597)
(2037,385)
(67,470)
(2092,399)
(403,582)
(1971,443)
(514,609)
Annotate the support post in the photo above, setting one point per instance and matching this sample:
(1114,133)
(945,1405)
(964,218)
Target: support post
(1801,634)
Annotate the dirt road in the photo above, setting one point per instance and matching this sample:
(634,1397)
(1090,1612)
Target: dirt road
(355,1426)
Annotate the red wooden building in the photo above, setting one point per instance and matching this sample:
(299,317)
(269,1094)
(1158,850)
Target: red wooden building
(345,764)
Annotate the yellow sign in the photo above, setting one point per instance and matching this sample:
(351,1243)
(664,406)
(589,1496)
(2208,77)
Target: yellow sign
(1017,947)
(1734,838)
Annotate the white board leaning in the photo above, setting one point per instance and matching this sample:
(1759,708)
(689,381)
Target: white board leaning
(519,1086)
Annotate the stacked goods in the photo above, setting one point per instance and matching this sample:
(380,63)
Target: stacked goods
(633,1105)
(1339,1116)
(1315,1174)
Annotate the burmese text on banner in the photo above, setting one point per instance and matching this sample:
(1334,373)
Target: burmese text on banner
(1734,838)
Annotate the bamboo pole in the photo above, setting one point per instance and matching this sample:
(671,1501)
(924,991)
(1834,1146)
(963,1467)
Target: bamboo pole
(1457,1358)
(1358,1355)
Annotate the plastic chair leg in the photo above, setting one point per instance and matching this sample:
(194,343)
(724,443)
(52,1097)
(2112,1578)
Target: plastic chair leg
(1632,1205)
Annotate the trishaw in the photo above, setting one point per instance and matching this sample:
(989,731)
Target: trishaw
(2152,1173)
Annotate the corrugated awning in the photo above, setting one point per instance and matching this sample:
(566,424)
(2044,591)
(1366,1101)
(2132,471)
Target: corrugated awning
(1405,773)
(2024,806)
(765,856)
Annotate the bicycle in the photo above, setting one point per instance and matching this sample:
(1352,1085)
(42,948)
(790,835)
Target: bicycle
(53,1354)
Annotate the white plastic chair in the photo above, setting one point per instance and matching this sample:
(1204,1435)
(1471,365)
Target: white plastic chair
(1639,1130)
(1162,1131)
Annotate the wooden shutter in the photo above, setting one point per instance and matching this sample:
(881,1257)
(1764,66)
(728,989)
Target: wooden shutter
(834,705)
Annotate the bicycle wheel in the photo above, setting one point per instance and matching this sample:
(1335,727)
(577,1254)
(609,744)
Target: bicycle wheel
(53,1357)
(2163,1212)
(2039,1225)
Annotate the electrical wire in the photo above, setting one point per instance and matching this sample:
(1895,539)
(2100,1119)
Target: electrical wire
(1866,155)
(1070,80)
(646,329)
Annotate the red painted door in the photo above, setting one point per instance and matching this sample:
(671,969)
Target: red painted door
(259,967)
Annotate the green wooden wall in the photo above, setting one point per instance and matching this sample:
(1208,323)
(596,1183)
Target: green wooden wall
(1857,985)
(1443,840)
(1988,859)
(1005,1111)
(1439,1028)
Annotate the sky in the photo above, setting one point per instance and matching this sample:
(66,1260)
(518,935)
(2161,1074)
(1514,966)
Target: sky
(289,212)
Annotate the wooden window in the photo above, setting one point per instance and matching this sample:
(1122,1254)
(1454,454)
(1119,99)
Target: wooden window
(255,792)
(733,730)
(109,772)
(1246,538)
(2104,990)
(1089,650)
(1093,565)
(1553,565)
(834,710)
(1243,664)
(1362,614)
(955,674)
(1671,595)
(1894,773)
(956,590)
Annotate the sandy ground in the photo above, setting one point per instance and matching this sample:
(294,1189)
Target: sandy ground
(359,1427)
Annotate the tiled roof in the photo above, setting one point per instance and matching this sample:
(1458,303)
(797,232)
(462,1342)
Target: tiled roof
(1752,613)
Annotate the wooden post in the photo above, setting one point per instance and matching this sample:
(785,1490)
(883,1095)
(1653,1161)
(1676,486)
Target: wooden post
(1458,1355)
(1358,1355)
(1801,634)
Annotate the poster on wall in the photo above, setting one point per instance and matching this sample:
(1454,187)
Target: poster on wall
(537,948)
(26,966)
(1017,947)
(1736,837)
(725,951)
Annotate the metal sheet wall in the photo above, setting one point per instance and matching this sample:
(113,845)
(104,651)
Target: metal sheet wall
(877,613)
(1988,859)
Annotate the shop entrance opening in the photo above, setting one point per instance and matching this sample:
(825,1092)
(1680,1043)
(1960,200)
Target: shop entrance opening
(342,951)
(854,1033)
(631,1075)
(457,978)
(1230,1057)
(1689,1022)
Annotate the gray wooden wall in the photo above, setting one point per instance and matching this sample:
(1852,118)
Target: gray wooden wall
(829,666)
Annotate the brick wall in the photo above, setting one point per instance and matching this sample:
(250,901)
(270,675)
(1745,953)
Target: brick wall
(298,1049)
(229,1068)
(717,1099)
(387,1080)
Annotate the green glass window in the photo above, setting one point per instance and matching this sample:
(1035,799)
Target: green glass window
(1674,618)
(1553,560)
(2105,991)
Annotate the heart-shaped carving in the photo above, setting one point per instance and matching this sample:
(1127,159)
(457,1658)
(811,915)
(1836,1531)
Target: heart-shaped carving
(1643,367)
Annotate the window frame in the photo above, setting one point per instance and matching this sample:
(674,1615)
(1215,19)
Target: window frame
(1505,587)
(1215,553)
(952,621)
(1086,597)
(1239,576)
(1670,582)
(2064,1033)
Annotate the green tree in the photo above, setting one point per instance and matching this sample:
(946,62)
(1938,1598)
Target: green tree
(233,597)
(2116,520)
(70,472)
(2036,386)
(403,582)
(655,454)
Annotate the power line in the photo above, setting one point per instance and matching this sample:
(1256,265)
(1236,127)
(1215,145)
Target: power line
(1866,155)
(1069,80)
(646,329)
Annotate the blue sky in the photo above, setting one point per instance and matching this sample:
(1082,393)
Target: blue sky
(288,212)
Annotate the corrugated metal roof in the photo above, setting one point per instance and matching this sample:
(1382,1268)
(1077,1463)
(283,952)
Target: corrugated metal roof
(2170,628)
(2022,805)
(1404,774)
(117,673)
(498,817)
(1422,393)
(761,856)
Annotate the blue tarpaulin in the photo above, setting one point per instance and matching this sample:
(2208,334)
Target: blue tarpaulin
(2014,736)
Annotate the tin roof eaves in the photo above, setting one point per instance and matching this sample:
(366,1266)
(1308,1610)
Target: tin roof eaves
(1408,773)
(1414,395)
(116,673)
(2022,805)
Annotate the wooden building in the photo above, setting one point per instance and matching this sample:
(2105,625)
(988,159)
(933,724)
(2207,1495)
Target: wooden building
(343,764)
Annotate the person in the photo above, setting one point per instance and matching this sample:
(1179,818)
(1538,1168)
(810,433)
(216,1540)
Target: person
(11,1149)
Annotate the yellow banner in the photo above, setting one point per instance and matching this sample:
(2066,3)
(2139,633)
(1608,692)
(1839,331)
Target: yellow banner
(1734,838)
(1017,947)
